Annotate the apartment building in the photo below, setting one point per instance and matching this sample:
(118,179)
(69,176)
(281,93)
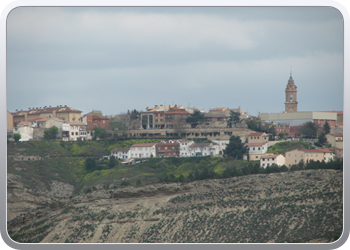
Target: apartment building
(306,155)
(168,149)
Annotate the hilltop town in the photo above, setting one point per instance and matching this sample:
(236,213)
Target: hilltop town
(188,132)
(175,174)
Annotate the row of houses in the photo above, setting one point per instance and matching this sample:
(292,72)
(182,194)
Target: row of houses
(67,131)
(296,156)
(32,123)
(258,145)
(164,149)
(162,117)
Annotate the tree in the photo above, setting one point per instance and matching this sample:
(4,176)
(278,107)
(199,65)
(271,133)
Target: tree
(308,130)
(17,136)
(322,138)
(90,164)
(196,118)
(254,123)
(282,135)
(272,131)
(326,128)
(112,162)
(51,133)
(233,119)
(235,149)
(99,133)
(135,114)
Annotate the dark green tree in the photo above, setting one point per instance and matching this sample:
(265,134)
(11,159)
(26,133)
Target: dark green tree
(254,123)
(322,139)
(17,136)
(326,128)
(235,149)
(112,162)
(308,130)
(134,114)
(90,164)
(233,119)
(196,118)
(272,131)
(99,133)
(51,133)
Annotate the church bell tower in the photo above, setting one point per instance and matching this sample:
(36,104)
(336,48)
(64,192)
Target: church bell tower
(291,104)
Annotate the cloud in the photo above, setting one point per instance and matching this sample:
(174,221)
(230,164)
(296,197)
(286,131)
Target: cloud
(138,57)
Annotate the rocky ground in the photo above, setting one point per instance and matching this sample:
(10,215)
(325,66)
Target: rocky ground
(300,206)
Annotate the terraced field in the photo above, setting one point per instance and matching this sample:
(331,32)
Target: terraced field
(300,206)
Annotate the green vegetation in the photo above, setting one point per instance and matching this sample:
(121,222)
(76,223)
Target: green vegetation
(76,163)
(196,118)
(283,147)
(308,130)
(51,133)
(17,136)
(233,119)
(235,149)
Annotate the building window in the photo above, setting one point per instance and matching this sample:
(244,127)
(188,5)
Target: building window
(258,148)
(72,133)
(253,148)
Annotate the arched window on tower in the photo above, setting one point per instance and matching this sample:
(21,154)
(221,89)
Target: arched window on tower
(290,98)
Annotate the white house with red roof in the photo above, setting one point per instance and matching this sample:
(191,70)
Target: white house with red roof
(306,155)
(143,150)
(269,159)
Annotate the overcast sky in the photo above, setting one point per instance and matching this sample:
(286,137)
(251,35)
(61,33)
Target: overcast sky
(115,59)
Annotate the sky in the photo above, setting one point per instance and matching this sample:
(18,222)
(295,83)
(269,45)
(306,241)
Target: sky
(116,59)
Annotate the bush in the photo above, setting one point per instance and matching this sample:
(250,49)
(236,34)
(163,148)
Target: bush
(17,136)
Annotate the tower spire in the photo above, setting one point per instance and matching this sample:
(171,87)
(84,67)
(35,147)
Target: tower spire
(290,77)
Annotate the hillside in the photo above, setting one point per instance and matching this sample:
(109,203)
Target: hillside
(53,198)
(300,206)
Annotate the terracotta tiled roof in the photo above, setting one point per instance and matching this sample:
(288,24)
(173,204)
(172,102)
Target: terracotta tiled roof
(143,145)
(337,134)
(318,150)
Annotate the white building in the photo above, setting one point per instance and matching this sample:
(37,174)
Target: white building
(203,149)
(24,130)
(143,150)
(269,159)
(121,153)
(256,150)
(77,131)
(222,143)
(184,148)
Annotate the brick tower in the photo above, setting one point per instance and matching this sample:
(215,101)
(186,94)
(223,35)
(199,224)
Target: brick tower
(291,103)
